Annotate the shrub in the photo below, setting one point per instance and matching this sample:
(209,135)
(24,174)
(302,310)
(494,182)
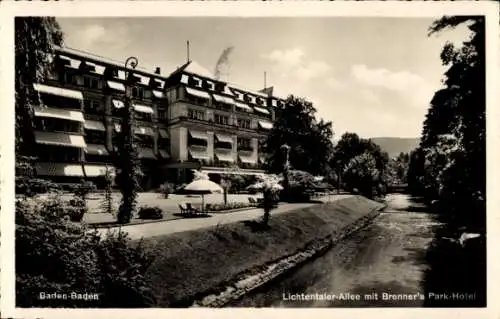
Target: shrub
(166,189)
(147,212)
(56,255)
(76,208)
(32,186)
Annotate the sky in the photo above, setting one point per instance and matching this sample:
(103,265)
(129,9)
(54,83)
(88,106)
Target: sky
(372,76)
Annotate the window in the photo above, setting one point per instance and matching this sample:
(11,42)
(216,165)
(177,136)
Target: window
(56,125)
(148,94)
(145,141)
(162,114)
(138,92)
(95,137)
(244,123)
(91,82)
(221,119)
(196,115)
(244,144)
(144,116)
(93,106)
(51,153)
(69,78)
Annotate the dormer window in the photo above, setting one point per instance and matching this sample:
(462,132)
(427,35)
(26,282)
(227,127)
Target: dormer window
(210,85)
(185,79)
(197,82)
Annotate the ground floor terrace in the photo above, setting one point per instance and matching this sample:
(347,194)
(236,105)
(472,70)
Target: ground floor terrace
(154,173)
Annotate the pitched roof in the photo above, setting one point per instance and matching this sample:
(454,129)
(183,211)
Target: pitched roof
(194,68)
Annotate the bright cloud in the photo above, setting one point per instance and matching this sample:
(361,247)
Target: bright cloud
(293,61)
(96,35)
(398,81)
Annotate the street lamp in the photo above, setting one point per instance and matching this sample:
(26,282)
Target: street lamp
(286,167)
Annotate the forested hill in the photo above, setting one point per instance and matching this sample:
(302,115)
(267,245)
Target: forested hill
(395,145)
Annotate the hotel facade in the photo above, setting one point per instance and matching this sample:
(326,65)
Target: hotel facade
(186,120)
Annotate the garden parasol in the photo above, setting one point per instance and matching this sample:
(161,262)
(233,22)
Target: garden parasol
(202,185)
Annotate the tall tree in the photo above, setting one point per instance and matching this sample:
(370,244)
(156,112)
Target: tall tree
(309,139)
(35,41)
(452,159)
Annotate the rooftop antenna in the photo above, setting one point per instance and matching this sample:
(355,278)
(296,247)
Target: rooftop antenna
(187,47)
(265,80)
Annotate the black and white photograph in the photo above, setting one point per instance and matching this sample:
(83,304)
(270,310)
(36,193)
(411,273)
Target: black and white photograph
(258,161)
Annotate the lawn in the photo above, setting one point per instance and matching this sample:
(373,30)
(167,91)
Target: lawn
(170,205)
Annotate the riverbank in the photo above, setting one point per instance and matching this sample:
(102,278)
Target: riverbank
(191,265)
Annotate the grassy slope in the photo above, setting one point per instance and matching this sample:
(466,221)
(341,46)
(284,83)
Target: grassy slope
(192,264)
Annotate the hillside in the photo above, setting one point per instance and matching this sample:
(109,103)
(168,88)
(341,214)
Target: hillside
(395,145)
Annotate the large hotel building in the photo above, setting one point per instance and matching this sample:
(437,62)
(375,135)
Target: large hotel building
(186,120)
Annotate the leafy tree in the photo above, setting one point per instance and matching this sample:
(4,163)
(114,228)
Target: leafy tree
(351,146)
(450,164)
(309,139)
(361,174)
(397,169)
(35,40)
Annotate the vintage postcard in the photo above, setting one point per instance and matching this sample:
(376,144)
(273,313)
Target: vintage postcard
(249,156)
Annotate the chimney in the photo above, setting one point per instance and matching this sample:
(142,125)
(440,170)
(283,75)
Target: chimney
(157,71)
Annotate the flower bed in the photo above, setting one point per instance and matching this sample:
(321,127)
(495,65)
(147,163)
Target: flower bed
(228,206)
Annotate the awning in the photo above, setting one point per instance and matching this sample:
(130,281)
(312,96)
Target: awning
(185,79)
(96,149)
(163,154)
(116,86)
(223,99)
(248,159)
(58,169)
(144,130)
(198,135)
(224,157)
(146,153)
(224,138)
(163,133)
(261,110)
(158,94)
(118,104)
(143,109)
(201,155)
(156,83)
(71,63)
(266,125)
(243,107)
(263,100)
(99,170)
(59,114)
(70,94)
(94,125)
(198,93)
(60,139)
